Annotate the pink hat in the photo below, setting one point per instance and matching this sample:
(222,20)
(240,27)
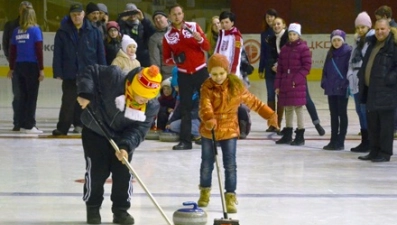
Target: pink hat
(363,19)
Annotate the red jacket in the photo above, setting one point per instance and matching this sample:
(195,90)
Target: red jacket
(177,41)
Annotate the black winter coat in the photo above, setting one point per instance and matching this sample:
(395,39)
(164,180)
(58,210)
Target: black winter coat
(101,85)
(273,54)
(381,94)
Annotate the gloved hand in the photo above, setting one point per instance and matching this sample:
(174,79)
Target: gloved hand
(273,121)
(120,102)
(210,124)
(122,154)
(134,114)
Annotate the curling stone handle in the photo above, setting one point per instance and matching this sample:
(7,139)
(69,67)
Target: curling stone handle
(194,204)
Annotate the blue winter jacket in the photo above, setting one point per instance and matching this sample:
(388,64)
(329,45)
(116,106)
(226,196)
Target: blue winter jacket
(101,85)
(332,82)
(74,51)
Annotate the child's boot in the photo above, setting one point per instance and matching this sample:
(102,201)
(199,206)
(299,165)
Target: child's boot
(231,202)
(204,197)
(93,215)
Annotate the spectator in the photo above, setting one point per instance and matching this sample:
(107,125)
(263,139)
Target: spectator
(126,57)
(167,101)
(112,41)
(174,122)
(187,53)
(26,62)
(138,28)
(71,56)
(335,84)
(265,69)
(378,90)
(294,65)
(156,43)
(230,42)
(92,14)
(133,97)
(385,12)
(213,32)
(103,13)
(363,32)
(9,27)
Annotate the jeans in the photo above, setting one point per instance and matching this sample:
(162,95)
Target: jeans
(175,126)
(271,95)
(311,108)
(229,163)
(361,110)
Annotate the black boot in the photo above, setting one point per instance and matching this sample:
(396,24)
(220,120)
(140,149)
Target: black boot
(93,215)
(320,129)
(121,216)
(287,136)
(299,138)
(364,145)
(243,129)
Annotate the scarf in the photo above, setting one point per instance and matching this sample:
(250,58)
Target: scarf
(278,39)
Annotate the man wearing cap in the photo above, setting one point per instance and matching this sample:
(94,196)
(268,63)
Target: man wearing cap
(126,105)
(103,13)
(138,28)
(92,13)
(156,43)
(9,27)
(184,45)
(77,45)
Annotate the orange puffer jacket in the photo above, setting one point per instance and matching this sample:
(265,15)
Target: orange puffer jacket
(216,103)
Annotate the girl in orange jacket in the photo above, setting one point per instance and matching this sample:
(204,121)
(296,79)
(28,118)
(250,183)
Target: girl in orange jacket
(220,97)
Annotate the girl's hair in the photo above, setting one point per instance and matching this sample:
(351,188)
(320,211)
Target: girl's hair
(118,38)
(211,35)
(235,84)
(271,12)
(28,18)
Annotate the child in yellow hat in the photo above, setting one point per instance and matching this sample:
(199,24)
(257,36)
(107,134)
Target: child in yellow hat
(126,105)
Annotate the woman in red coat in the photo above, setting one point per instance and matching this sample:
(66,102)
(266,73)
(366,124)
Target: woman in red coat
(294,64)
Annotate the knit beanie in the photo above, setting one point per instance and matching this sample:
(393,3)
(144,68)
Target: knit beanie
(112,24)
(363,19)
(130,7)
(338,34)
(218,60)
(102,7)
(166,82)
(146,83)
(91,7)
(295,27)
(158,12)
(127,40)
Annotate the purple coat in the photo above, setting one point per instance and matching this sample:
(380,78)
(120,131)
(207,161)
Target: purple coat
(331,81)
(294,64)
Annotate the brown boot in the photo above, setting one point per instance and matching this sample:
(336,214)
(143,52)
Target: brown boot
(280,114)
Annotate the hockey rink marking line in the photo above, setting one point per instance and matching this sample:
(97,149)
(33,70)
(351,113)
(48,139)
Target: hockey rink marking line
(36,194)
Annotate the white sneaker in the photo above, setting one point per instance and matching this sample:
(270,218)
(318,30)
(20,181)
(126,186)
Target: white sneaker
(34,130)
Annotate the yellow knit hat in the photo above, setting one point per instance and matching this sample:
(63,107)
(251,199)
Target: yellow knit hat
(146,83)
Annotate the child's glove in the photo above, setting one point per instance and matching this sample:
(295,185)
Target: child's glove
(134,114)
(273,121)
(210,124)
(120,102)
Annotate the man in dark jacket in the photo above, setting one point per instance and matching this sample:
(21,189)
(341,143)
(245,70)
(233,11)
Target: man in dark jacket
(138,28)
(9,27)
(77,44)
(378,90)
(126,106)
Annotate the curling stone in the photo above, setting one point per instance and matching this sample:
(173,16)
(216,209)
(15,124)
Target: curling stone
(168,136)
(190,216)
(153,134)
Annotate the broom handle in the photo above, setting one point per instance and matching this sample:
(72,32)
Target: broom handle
(218,170)
(127,164)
